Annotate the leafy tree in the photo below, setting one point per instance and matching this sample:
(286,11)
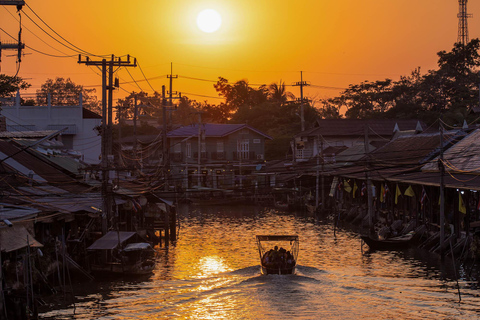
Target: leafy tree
(239,96)
(147,106)
(9,85)
(330,110)
(448,92)
(186,112)
(64,92)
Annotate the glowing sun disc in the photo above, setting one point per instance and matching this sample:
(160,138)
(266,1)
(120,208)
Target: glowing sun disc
(209,20)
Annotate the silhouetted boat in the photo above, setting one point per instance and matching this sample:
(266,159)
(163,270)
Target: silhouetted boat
(274,258)
(121,253)
(394,243)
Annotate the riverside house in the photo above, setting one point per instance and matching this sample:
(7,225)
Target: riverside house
(216,155)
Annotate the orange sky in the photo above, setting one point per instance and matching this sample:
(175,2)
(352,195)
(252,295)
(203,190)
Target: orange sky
(334,43)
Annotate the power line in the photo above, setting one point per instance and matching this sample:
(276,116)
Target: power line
(77,49)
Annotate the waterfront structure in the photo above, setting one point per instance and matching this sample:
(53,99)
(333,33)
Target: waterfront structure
(347,133)
(216,155)
(80,137)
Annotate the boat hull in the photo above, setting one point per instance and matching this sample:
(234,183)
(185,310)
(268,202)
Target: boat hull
(388,244)
(266,270)
(139,268)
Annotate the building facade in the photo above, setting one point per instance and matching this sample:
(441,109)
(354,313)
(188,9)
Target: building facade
(215,155)
(80,136)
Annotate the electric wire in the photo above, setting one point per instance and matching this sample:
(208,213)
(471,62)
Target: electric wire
(77,49)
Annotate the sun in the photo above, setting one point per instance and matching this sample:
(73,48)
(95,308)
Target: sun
(209,20)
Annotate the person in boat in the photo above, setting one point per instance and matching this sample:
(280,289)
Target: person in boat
(272,258)
(289,261)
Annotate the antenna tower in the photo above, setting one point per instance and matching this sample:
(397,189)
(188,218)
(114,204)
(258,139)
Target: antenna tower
(462,22)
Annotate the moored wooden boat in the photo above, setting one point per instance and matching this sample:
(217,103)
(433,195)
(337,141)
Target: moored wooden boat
(395,243)
(274,258)
(120,253)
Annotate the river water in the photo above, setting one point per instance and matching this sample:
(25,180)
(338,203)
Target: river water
(213,272)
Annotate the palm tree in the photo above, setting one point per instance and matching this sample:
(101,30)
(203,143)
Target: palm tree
(277,93)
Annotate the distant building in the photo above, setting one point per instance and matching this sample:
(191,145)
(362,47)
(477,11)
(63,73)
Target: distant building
(215,153)
(339,133)
(80,135)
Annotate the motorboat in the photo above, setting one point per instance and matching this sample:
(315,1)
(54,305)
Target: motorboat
(278,253)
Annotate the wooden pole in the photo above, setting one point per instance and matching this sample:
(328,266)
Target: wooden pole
(369,183)
(442,194)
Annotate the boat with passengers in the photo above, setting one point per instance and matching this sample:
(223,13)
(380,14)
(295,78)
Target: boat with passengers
(278,253)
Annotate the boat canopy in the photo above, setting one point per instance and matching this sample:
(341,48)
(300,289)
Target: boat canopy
(137,246)
(277,238)
(111,240)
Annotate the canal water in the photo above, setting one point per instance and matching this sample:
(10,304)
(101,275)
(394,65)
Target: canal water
(213,272)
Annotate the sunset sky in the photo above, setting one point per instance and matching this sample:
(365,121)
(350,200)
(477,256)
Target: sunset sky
(334,43)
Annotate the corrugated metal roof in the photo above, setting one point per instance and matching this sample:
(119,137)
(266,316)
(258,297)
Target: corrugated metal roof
(21,128)
(15,238)
(25,134)
(72,128)
(111,240)
(406,150)
(16,213)
(212,130)
(463,157)
(43,190)
(92,202)
(46,170)
(27,172)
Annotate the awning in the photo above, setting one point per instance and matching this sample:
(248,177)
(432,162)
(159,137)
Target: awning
(111,240)
(15,238)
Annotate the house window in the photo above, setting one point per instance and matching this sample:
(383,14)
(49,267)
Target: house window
(220,146)
(256,140)
(189,150)
(299,154)
(243,148)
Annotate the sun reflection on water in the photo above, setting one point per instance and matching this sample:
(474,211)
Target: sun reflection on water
(211,265)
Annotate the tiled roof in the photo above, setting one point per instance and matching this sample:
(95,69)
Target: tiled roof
(212,130)
(356,127)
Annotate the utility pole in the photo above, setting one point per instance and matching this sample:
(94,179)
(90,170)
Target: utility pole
(19,46)
(106,129)
(317,174)
(171,92)
(135,115)
(164,138)
(369,181)
(301,84)
(199,148)
(171,77)
(441,168)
